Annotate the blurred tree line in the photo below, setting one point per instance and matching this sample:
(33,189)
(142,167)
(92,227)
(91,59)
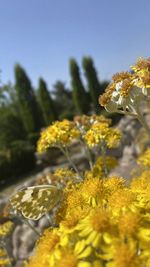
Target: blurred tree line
(24,111)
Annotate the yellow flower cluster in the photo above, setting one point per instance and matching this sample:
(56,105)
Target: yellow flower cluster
(4,260)
(100,165)
(102,223)
(6,228)
(85,122)
(91,131)
(144,159)
(102,134)
(127,88)
(59,134)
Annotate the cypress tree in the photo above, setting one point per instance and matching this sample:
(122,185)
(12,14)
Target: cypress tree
(79,94)
(11,128)
(92,80)
(46,103)
(28,106)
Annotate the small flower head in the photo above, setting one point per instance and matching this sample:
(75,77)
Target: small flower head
(94,227)
(59,134)
(98,168)
(93,191)
(144,159)
(124,255)
(102,133)
(127,88)
(75,256)
(122,200)
(129,223)
(6,228)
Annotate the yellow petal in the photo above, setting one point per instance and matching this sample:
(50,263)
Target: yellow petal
(91,237)
(85,253)
(97,263)
(79,246)
(84,264)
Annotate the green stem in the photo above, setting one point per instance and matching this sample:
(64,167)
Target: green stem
(103,153)
(66,153)
(141,119)
(87,154)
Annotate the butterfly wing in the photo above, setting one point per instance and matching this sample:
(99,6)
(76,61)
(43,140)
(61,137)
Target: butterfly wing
(33,202)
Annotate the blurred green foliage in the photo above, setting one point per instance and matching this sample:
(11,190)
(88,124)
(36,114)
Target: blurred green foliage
(24,111)
(16,161)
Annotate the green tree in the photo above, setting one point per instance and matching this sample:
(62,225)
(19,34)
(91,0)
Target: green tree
(46,103)
(79,94)
(28,106)
(11,128)
(92,80)
(63,100)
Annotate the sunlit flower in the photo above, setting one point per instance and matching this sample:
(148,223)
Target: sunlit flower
(102,163)
(124,255)
(95,227)
(48,249)
(142,70)
(6,228)
(129,223)
(75,257)
(93,191)
(122,200)
(85,122)
(127,89)
(61,133)
(102,134)
(4,262)
(144,159)
(113,184)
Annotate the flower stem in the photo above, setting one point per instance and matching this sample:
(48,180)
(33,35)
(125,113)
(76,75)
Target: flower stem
(66,153)
(141,119)
(103,153)
(87,154)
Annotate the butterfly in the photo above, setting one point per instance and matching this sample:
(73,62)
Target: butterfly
(35,201)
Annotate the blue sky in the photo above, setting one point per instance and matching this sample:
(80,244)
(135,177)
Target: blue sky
(42,35)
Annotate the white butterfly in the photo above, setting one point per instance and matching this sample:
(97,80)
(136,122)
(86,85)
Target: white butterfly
(35,201)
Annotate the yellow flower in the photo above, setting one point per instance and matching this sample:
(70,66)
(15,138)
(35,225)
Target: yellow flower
(124,255)
(102,163)
(102,133)
(118,92)
(141,185)
(6,228)
(4,262)
(4,259)
(127,89)
(129,223)
(59,134)
(75,257)
(72,217)
(84,122)
(93,191)
(122,200)
(48,249)
(144,159)
(113,184)
(95,227)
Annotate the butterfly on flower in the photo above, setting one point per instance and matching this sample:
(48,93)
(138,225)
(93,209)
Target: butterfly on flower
(35,201)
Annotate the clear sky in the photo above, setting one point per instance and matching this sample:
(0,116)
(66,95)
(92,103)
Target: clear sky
(42,35)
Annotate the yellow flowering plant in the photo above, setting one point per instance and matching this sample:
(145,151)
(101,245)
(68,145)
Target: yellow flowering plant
(128,90)
(100,220)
